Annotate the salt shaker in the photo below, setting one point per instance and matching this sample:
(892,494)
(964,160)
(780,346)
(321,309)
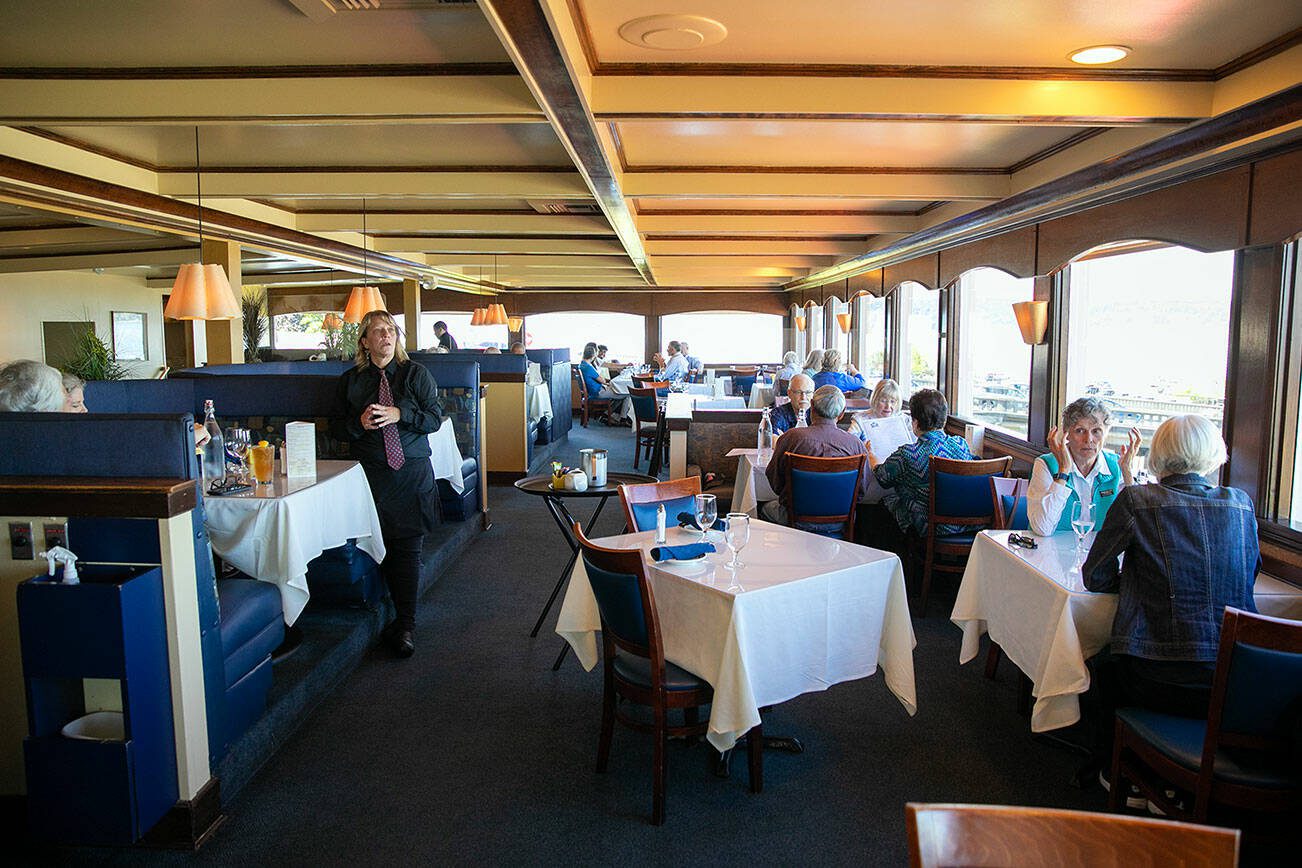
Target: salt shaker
(660,524)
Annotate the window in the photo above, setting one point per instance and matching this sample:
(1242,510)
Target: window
(466,335)
(814,328)
(798,340)
(994,364)
(836,339)
(870,334)
(1289,509)
(719,337)
(1149,334)
(921,364)
(298,331)
(624,334)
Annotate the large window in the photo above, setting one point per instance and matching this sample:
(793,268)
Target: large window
(1289,509)
(1149,334)
(798,340)
(994,364)
(466,335)
(814,328)
(298,331)
(870,334)
(718,337)
(624,334)
(921,363)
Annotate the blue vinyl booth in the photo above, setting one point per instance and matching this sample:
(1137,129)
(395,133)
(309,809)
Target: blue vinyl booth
(240,620)
(555,366)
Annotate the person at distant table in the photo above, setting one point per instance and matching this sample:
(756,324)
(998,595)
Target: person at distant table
(533,370)
(813,363)
(602,349)
(790,366)
(821,439)
(598,387)
(492,351)
(882,404)
(28,386)
(848,380)
(446,340)
(694,365)
(386,408)
(1077,469)
(676,365)
(74,388)
(795,413)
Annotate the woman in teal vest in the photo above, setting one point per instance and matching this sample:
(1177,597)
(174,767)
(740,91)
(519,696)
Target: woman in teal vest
(1077,468)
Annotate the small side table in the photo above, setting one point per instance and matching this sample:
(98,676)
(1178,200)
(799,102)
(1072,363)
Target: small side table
(541,486)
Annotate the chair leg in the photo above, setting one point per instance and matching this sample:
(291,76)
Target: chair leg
(659,760)
(992,660)
(637,446)
(926,581)
(755,756)
(607,727)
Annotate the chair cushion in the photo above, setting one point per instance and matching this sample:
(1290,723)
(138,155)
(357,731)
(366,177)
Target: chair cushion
(638,671)
(252,624)
(1180,739)
(960,539)
(469,466)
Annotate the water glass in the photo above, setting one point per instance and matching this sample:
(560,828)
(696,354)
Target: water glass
(707,510)
(237,449)
(1082,521)
(736,536)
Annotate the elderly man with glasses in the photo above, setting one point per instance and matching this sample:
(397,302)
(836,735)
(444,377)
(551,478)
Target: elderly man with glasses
(821,439)
(796,413)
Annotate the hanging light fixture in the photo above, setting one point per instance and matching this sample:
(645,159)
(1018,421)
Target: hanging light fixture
(800,322)
(477,318)
(496,315)
(201,292)
(365,298)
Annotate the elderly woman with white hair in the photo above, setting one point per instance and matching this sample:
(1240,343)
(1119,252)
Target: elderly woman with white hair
(813,363)
(1190,550)
(27,386)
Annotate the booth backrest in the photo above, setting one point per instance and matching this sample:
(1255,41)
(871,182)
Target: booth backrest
(320,369)
(97,445)
(714,432)
(555,365)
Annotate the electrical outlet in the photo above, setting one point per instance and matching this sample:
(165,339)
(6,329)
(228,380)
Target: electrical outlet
(20,541)
(56,534)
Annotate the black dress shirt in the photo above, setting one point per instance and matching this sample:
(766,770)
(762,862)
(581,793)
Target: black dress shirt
(448,342)
(415,394)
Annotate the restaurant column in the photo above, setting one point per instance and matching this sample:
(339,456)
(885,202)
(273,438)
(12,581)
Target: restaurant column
(225,338)
(411,312)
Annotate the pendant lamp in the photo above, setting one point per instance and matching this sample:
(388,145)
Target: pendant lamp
(201,292)
(363,299)
(496,315)
(477,318)
(515,323)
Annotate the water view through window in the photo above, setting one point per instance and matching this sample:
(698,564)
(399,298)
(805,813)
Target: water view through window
(994,364)
(719,337)
(624,334)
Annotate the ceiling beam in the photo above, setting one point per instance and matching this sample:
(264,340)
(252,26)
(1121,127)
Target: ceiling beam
(79,261)
(342,100)
(64,235)
(917,187)
(506,264)
(443,244)
(660,248)
(1074,103)
(521,223)
(377,185)
(665,223)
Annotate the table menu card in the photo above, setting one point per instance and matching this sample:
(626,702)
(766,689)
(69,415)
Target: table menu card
(300,449)
(885,436)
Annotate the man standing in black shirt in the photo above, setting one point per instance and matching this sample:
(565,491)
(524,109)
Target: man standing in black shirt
(446,341)
(386,408)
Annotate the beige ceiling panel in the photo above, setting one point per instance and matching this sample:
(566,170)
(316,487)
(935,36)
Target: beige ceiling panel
(410,203)
(832,143)
(238,33)
(395,99)
(77,261)
(515,264)
(758,247)
(774,224)
(1069,103)
(457,185)
(745,264)
(66,235)
(1195,34)
(460,224)
(787,203)
(460,245)
(915,186)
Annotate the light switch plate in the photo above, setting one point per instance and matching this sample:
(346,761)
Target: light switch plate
(56,534)
(20,541)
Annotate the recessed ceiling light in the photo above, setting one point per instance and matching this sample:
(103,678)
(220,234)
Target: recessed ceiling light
(673,32)
(1096,54)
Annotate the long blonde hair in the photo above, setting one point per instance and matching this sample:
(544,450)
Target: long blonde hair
(363,358)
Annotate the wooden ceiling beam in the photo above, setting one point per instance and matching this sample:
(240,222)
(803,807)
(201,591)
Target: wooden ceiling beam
(11,239)
(661,248)
(503,246)
(776,224)
(377,185)
(507,225)
(915,187)
(120,259)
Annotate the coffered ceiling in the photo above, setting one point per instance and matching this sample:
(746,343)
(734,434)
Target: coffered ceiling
(551,144)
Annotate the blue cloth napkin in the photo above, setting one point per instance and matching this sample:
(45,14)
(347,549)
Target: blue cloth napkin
(687,552)
(686,519)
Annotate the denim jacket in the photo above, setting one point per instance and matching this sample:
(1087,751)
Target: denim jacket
(1190,550)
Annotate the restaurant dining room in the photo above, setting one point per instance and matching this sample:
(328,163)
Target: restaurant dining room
(617,432)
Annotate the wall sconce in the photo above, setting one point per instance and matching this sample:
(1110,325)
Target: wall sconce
(800,322)
(515,323)
(1032,320)
(843,320)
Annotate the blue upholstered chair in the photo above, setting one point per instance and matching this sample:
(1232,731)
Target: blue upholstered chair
(646,416)
(1009,498)
(822,493)
(1247,755)
(959,495)
(742,380)
(641,501)
(634,666)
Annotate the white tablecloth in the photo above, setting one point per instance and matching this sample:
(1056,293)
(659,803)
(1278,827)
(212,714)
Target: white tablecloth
(751,486)
(761,395)
(538,401)
(811,612)
(1034,604)
(272,532)
(445,457)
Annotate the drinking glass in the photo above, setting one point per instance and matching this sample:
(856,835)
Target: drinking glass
(237,447)
(736,536)
(707,510)
(262,459)
(1082,521)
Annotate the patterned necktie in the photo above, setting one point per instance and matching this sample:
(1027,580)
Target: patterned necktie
(392,444)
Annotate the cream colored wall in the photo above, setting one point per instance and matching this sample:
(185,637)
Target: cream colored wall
(27,300)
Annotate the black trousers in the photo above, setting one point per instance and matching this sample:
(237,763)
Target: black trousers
(407,502)
(401,571)
(1120,681)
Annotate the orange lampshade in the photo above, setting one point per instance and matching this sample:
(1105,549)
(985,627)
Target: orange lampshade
(515,323)
(800,322)
(477,318)
(496,315)
(1032,319)
(361,301)
(843,320)
(202,292)
(332,321)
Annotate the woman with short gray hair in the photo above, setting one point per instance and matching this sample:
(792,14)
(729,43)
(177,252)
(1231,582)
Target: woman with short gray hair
(28,386)
(848,380)
(1077,469)
(813,362)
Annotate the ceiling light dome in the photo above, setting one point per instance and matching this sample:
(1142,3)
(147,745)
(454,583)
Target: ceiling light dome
(673,32)
(1096,54)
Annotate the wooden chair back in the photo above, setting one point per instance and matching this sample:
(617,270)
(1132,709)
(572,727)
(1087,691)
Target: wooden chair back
(645,407)
(640,501)
(823,491)
(1008,496)
(959,494)
(625,602)
(942,835)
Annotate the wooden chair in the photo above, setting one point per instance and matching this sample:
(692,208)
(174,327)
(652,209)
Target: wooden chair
(959,494)
(586,402)
(634,667)
(742,380)
(640,501)
(643,379)
(1004,835)
(1246,754)
(646,418)
(1009,498)
(823,492)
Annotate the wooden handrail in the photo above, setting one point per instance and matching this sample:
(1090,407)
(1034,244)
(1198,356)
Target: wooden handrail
(97,496)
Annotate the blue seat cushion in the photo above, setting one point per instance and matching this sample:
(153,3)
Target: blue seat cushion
(637,670)
(957,539)
(252,625)
(1180,739)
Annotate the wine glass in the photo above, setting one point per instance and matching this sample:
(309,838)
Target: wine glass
(238,441)
(707,510)
(1082,521)
(736,536)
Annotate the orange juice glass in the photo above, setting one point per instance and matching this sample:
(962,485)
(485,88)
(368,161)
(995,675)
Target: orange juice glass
(262,462)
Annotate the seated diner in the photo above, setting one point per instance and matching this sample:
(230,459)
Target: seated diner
(813,363)
(820,439)
(28,386)
(833,373)
(599,387)
(882,404)
(790,366)
(794,413)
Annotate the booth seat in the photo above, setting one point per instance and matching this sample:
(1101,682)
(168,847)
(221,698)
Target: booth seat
(240,620)
(555,367)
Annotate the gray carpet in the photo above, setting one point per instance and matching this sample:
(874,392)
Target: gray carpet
(474,751)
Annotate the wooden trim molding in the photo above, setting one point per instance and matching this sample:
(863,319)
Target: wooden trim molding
(166,73)
(891,70)
(85,495)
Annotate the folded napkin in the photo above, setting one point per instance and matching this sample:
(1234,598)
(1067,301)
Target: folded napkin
(686,519)
(680,553)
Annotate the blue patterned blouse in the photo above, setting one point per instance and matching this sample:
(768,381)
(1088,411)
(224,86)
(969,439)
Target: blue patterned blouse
(906,474)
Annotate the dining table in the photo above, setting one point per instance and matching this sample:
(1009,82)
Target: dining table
(801,613)
(1034,604)
(761,395)
(751,486)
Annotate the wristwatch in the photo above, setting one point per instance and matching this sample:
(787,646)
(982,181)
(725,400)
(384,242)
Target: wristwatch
(1061,477)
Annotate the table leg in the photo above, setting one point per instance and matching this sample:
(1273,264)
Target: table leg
(565,521)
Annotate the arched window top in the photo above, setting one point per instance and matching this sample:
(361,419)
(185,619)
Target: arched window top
(984,271)
(913,285)
(1125,247)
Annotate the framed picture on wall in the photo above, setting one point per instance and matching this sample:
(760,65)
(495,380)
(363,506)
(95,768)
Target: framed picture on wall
(129,339)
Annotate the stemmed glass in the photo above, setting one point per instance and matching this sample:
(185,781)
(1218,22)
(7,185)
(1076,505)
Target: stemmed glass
(1082,522)
(238,441)
(707,510)
(736,536)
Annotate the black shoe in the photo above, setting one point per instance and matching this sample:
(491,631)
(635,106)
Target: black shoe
(403,643)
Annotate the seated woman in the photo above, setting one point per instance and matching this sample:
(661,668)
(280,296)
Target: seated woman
(28,386)
(905,473)
(598,387)
(75,389)
(790,366)
(882,404)
(813,363)
(1190,550)
(1078,469)
(847,381)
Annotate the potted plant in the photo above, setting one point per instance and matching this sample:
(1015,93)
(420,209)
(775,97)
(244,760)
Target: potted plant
(253,304)
(93,360)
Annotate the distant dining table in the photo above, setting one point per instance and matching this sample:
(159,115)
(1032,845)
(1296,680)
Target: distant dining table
(802,612)
(679,405)
(751,486)
(445,456)
(1033,603)
(761,395)
(271,532)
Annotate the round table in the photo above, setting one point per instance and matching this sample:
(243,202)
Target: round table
(541,486)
